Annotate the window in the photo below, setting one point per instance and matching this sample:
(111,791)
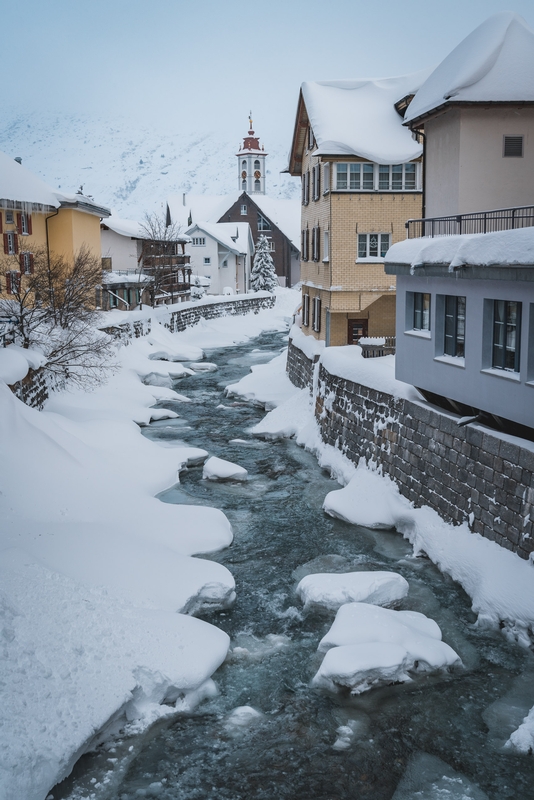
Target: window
(225,262)
(113,300)
(243,184)
(373,245)
(506,335)
(207,261)
(271,246)
(11,243)
(244,210)
(256,164)
(454,334)
(24,224)
(316,314)
(310,137)
(257,186)
(354,177)
(12,282)
(316,182)
(199,241)
(263,224)
(306,310)
(316,232)
(26,263)
(244,164)
(326,178)
(512,147)
(326,246)
(396,177)
(421,311)
(304,244)
(9,218)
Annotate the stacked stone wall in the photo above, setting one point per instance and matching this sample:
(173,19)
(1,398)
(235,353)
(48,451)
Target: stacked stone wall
(35,388)
(181,319)
(299,367)
(466,474)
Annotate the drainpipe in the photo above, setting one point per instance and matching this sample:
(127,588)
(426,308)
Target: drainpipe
(47,237)
(423,204)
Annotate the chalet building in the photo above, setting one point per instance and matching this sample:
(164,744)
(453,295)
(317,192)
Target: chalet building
(223,253)
(278,220)
(139,269)
(465,289)
(34,217)
(361,178)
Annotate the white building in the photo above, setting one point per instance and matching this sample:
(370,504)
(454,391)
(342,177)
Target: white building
(222,252)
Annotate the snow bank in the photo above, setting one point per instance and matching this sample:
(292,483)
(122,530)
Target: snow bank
(306,344)
(369,646)
(332,590)
(15,362)
(522,739)
(266,384)
(508,248)
(217,469)
(377,373)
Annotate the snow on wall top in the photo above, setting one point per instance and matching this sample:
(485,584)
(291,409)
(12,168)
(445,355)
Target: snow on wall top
(495,62)
(501,248)
(19,184)
(210,208)
(358,118)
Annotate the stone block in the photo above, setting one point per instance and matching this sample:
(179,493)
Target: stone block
(490,444)
(474,436)
(526,459)
(509,452)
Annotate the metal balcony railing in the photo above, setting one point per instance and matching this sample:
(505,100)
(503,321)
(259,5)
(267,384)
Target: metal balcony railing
(500,219)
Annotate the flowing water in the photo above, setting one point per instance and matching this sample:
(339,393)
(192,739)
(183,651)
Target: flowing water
(438,737)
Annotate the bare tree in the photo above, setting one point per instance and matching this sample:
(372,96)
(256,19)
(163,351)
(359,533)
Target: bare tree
(51,305)
(161,259)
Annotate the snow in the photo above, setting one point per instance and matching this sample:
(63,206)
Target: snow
(235,236)
(500,248)
(332,590)
(522,739)
(494,63)
(358,118)
(368,646)
(20,185)
(218,469)
(308,345)
(203,366)
(112,278)
(377,373)
(266,384)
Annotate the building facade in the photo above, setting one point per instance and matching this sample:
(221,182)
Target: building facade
(222,252)
(357,192)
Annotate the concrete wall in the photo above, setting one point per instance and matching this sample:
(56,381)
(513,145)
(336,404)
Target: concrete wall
(465,474)
(470,380)
(123,250)
(71,229)
(465,167)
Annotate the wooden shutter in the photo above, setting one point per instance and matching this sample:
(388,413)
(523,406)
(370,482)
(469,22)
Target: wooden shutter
(29,224)
(6,244)
(31,264)
(16,243)
(318,181)
(1,229)
(19,223)
(21,262)
(8,282)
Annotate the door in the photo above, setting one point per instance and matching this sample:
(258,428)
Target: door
(356,329)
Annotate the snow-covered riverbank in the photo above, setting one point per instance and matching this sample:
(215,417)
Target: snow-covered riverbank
(94,567)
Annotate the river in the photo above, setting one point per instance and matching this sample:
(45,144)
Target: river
(438,737)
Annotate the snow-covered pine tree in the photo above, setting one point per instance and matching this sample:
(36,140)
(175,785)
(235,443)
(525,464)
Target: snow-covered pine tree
(263,274)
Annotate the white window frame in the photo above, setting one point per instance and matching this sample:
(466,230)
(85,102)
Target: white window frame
(263,223)
(393,170)
(24,224)
(326,178)
(354,173)
(381,236)
(26,266)
(198,241)
(10,217)
(244,209)
(11,249)
(207,261)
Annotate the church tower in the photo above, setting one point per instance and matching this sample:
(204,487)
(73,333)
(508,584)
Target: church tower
(251,164)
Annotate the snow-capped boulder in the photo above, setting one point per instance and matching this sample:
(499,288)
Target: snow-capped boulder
(332,590)
(218,469)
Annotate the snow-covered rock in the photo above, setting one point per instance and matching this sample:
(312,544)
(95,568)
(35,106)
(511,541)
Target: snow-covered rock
(218,469)
(332,590)
(368,646)
(203,366)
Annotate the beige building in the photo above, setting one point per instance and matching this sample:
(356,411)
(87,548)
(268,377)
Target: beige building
(477,114)
(361,175)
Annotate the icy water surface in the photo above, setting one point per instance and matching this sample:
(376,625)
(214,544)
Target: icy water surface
(439,738)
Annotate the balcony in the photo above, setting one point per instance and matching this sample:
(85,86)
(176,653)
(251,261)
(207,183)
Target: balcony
(164,261)
(501,219)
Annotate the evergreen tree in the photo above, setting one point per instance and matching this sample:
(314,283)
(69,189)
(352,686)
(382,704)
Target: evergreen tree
(263,274)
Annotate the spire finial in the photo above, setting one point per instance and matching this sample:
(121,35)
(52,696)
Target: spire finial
(250,122)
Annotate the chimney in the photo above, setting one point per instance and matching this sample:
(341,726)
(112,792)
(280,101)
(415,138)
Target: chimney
(18,159)
(183,198)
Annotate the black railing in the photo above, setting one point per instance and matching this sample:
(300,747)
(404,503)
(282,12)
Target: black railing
(378,350)
(501,219)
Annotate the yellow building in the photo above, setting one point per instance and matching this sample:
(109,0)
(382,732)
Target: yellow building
(361,177)
(34,217)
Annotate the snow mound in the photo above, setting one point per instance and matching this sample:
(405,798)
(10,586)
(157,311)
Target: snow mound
(522,739)
(218,469)
(332,590)
(369,646)
(241,718)
(203,366)
(266,384)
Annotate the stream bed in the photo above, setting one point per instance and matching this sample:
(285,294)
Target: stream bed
(438,737)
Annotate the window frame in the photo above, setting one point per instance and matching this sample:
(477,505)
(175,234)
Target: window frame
(198,241)
(420,314)
(263,223)
(367,236)
(504,326)
(244,210)
(509,142)
(454,319)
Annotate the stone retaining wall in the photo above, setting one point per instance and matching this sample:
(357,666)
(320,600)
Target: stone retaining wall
(35,388)
(181,319)
(464,473)
(299,367)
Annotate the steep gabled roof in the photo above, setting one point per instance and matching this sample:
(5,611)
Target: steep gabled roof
(495,63)
(357,118)
(225,234)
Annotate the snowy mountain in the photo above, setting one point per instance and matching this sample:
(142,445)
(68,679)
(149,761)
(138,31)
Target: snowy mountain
(132,165)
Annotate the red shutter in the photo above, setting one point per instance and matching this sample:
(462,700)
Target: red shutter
(8,283)
(6,245)
(31,263)
(0,222)
(21,262)
(19,223)
(29,224)
(16,239)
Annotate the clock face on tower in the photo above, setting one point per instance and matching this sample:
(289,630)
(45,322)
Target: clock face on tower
(257,174)
(244,174)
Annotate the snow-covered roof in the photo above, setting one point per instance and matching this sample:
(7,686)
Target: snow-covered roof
(501,248)
(135,230)
(358,118)
(285,214)
(225,234)
(494,63)
(112,278)
(19,185)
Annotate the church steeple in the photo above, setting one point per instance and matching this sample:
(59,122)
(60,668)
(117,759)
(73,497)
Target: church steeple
(251,163)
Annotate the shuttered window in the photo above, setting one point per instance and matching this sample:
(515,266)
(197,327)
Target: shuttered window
(326,177)
(513,147)
(26,263)
(11,243)
(306,310)
(316,233)
(316,314)
(12,282)
(305,244)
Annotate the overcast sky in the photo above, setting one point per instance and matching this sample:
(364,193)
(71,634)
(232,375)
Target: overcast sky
(203,64)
